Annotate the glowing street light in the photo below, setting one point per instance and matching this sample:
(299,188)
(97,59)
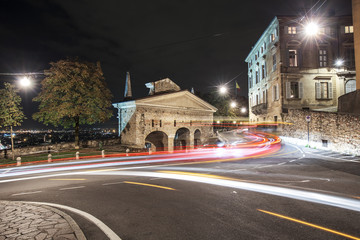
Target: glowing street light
(243,110)
(339,63)
(312,29)
(223,90)
(25,81)
(233,104)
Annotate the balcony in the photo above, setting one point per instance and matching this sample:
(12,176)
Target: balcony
(259,109)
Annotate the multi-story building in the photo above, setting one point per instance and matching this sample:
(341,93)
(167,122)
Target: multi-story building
(294,65)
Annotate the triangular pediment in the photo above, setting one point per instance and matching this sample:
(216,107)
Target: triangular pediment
(181,99)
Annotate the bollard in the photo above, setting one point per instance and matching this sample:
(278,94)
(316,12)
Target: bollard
(127,152)
(77,155)
(49,158)
(103,153)
(18,161)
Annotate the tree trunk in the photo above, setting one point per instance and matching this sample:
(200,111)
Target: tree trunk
(12,143)
(77,145)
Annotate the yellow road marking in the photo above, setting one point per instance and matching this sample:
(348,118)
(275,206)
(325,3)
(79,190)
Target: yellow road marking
(309,224)
(67,179)
(150,185)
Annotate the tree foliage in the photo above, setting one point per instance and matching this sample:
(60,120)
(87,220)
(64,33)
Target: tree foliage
(222,103)
(11,113)
(73,93)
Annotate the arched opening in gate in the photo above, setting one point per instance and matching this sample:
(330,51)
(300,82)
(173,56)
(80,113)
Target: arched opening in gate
(182,139)
(197,138)
(157,141)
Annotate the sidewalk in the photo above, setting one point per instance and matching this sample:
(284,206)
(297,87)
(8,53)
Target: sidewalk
(20,220)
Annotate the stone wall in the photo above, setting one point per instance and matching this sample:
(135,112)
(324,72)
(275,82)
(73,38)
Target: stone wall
(338,132)
(60,147)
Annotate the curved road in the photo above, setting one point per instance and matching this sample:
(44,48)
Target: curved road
(279,192)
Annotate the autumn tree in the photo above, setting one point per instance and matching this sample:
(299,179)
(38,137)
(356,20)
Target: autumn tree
(73,93)
(11,114)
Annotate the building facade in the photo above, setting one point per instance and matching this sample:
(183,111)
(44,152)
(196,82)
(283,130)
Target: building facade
(169,118)
(293,66)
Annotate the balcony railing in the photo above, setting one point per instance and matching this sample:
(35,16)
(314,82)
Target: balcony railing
(259,109)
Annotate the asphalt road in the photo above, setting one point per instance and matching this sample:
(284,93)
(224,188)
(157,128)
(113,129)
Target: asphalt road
(294,193)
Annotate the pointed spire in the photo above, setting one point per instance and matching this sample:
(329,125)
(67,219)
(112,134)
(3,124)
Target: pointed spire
(128,92)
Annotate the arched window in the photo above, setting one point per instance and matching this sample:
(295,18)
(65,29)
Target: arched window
(350,86)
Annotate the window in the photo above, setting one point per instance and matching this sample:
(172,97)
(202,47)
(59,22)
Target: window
(274,63)
(263,71)
(294,90)
(174,123)
(255,57)
(350,57)
(275,95)
(250,80)
(272,37)
(350,86)
(256,76)
(323,58)
(262,50)
(349,29)
(293,58)
(291,30)
(323,90)
(257,99)
(264,96)
(160,123)
(152,123)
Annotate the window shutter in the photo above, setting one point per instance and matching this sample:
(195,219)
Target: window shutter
(287,58)
(299,56)
(330,95)
(301,90)
(317,91)
(342,29)
(286,30)
(288,90)
(277,91)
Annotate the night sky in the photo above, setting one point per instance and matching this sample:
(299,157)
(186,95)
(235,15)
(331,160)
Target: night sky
(195,43)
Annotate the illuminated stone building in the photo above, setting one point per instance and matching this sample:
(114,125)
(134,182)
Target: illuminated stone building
(293,66)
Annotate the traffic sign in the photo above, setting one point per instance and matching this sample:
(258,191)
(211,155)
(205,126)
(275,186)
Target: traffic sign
(308,118)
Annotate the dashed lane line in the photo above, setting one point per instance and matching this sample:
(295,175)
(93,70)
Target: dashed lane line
(309,224)
(70,188)
(25,193)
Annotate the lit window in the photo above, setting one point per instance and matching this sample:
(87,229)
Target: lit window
(257,76)
(349,29)
(293,58)
(272,37)
(291,30)
(323,90)
(323,58)
(263,71)
(294,90)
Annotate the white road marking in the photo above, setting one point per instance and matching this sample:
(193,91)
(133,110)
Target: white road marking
(341,159)
(281,163)
(266,166)
(69,188)
(113,183)
(25,193)
(110,233)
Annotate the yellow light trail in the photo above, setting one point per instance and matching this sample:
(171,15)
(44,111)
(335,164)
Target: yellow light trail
(150,185)
(309,224)
(67,179)
(199,175)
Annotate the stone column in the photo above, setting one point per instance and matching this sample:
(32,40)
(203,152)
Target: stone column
(191,145)
(171,143)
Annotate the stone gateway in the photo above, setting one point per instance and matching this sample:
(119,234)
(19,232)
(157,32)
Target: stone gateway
(167,119)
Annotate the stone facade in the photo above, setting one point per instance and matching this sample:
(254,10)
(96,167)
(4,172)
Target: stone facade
(165,121)
(335,131)
(288,69)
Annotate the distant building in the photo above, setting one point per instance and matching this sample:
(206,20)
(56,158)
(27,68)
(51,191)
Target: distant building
(289,69)
(169,118)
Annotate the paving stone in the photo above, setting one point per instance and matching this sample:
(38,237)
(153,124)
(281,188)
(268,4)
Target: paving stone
(41,236)
(51,232)
(65,237)
(32,234)
(10,231)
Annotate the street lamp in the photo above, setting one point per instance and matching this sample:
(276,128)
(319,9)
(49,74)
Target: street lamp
(233,104)
(243,110)
(311,29)
(223,90)
(25,81)
(339,62)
